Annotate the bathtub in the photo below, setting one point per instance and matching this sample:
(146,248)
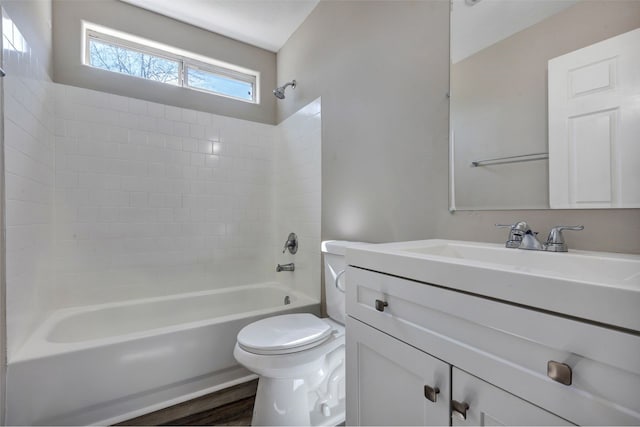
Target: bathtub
(107,363)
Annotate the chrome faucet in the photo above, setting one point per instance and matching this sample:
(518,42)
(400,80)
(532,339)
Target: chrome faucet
(285,267)
(522,237)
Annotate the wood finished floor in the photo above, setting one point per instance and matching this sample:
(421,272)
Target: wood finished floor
(229,407)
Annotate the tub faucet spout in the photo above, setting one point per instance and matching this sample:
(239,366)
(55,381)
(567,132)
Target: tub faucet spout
(285,267)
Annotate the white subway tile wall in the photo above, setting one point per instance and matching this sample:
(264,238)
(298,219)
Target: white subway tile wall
(29,171)
(153,199)
(298,196)
(112,198)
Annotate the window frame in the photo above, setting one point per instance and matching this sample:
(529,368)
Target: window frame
(185,61)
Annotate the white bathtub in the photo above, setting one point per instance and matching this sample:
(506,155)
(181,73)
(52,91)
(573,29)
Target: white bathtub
(110,362)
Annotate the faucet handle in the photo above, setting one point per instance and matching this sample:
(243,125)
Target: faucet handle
(516,234)
(569,227)
(555,241)
(520,226)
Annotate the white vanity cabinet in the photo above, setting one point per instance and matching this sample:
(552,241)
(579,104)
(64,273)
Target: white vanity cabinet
(509,363)
(392,383)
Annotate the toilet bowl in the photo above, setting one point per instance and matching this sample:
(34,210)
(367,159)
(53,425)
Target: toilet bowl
(299,384)
(300,357)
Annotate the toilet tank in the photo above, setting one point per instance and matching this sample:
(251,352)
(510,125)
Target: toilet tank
(334,266)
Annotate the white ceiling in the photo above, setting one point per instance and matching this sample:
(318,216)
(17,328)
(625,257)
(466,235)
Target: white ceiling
(476,27)
(264,23)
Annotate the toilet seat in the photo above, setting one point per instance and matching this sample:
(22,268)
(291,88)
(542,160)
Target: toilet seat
(289,333)
(294,364)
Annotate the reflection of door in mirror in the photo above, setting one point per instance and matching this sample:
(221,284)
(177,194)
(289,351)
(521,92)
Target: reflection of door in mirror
(500,51)
(594,125)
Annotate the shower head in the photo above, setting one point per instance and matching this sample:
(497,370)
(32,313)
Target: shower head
(279,91)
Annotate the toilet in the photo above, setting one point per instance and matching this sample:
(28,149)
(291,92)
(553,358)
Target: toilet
(300,357)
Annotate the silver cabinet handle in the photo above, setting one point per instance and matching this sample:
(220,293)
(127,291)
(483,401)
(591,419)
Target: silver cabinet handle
(380,305)
(431,393)
(559,372)
(459,409)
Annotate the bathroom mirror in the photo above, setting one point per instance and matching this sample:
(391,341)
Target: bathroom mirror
(500,103)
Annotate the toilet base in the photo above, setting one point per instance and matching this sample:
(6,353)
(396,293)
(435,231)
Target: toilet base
(283,403)
(316,400)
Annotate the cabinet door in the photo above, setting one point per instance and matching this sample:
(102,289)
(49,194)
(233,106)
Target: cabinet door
(386,381)
(491,406)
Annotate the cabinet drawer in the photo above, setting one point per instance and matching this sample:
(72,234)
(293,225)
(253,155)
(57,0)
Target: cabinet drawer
(509,346)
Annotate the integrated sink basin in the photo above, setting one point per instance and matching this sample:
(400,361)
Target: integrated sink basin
(597,286)
(574,264)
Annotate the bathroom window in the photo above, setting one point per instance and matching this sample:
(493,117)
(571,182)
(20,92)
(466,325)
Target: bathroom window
(126,54)
(237,86)
(120,59)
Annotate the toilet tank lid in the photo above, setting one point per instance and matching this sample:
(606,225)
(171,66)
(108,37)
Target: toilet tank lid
(338,247)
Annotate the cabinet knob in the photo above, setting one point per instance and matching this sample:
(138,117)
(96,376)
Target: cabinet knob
(380,305)
(459,409)
(559,372)
(431,393)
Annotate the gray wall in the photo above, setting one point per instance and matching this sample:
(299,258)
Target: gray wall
(68,68)
(382,71)
(499,103)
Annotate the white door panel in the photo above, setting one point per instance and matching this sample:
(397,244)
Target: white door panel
(591,144)
(594,125)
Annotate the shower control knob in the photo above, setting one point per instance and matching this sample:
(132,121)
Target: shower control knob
(291,244)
